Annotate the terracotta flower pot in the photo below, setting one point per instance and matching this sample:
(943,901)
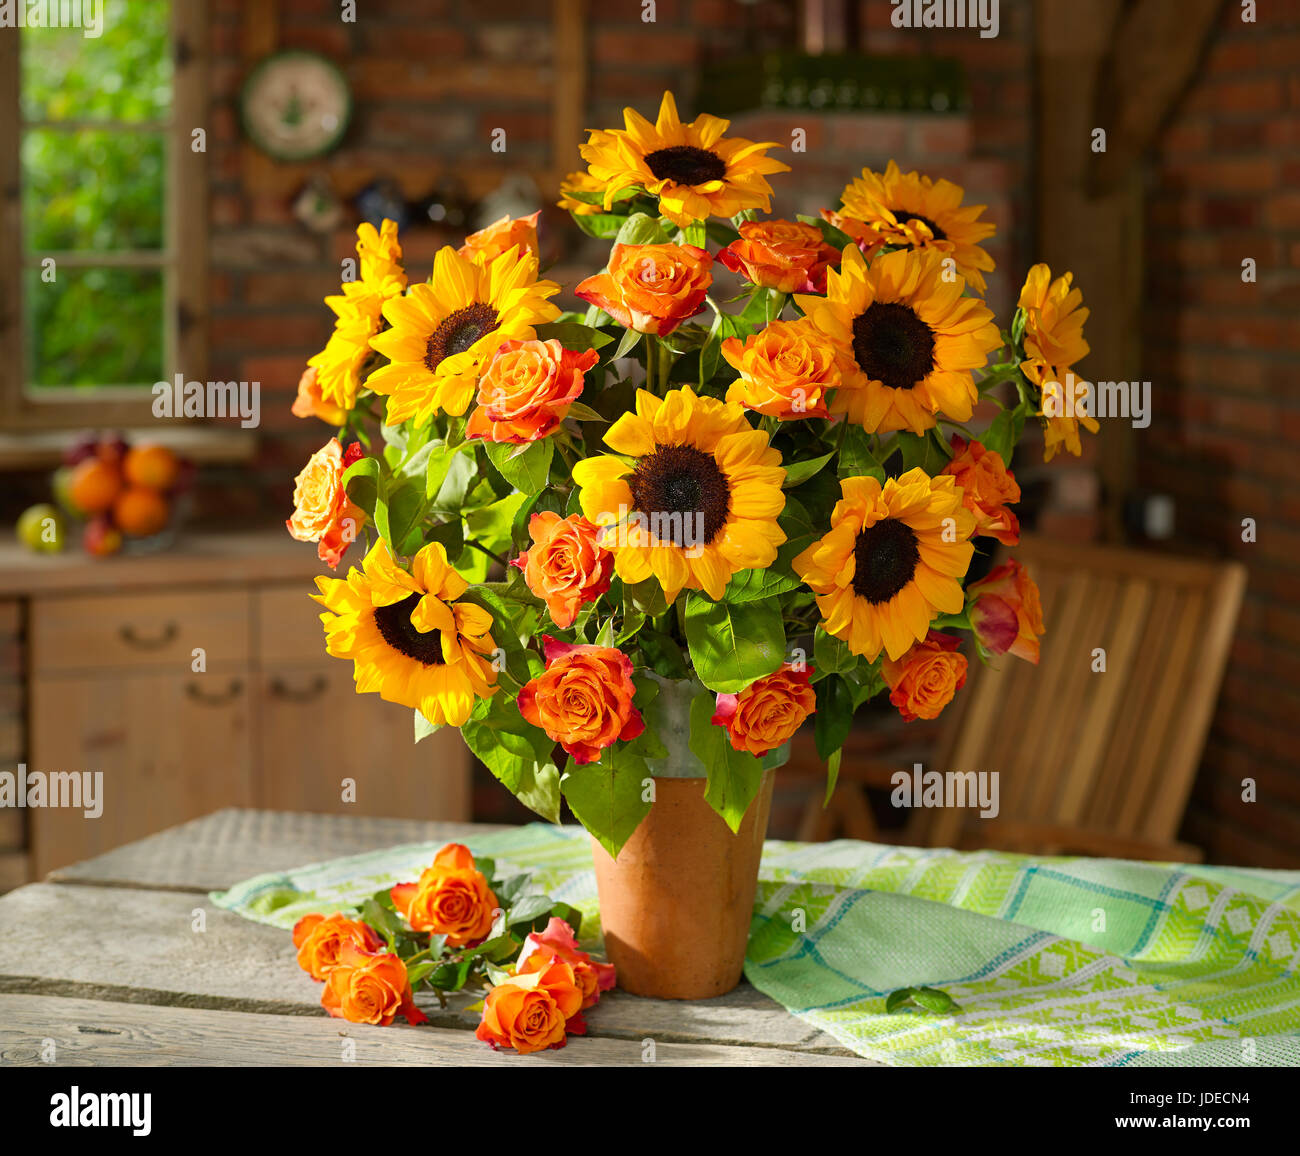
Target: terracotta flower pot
(676,905)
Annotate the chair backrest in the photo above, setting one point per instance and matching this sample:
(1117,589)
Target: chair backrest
(1112,751)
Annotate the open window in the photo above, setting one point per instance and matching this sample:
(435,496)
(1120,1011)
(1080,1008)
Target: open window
(103,244)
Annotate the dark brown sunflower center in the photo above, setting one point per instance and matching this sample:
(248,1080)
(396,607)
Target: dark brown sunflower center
(459,331)
(394,625)
(893,345)
(885,559)
(683,493)
(938,233)
(686,165)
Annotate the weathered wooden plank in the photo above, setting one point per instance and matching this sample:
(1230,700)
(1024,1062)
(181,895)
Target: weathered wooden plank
(221,849)
(140,946)
(79,1033)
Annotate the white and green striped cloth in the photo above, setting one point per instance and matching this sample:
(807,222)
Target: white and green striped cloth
(1052,961)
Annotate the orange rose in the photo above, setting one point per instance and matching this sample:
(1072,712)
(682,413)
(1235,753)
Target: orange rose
(925,679)
(369,988)
(504,233)
(1006,614)
(566,565)
(786,255)
(785,370)
(557,942)
(310,402)
(584,698)
(533,1011)
(768,711)
(322,511)
(451,898)
(319,941)
(651,288)
(987,488)
(526,390)
(862,234)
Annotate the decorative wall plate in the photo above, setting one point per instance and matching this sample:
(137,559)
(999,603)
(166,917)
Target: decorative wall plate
(295,105)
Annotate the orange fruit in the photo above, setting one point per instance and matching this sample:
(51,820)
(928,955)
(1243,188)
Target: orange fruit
(140,511)
(94,486)
(153,466)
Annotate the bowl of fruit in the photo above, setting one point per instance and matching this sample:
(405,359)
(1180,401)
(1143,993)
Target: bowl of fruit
(125,498)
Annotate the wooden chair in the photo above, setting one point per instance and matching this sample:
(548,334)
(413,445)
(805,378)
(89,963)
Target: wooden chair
(1088,763)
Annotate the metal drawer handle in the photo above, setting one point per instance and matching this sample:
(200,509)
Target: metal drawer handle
(198,694)
(280,689)
(131,638)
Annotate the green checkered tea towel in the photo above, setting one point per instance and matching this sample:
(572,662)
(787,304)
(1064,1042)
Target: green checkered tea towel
(1051,961)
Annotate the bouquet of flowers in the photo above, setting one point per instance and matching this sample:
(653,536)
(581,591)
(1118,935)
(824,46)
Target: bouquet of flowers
(672,525)
(453,928)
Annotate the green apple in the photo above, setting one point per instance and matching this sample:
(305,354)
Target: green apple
(41,528)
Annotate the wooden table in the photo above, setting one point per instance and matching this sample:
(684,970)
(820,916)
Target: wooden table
(122,961)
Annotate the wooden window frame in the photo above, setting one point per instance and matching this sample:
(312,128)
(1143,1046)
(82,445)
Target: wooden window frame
(184,255)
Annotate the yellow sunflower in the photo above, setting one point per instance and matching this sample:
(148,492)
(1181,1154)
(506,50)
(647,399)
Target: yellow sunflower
(892,562)
(408,637)
(912,211)
(699,500)
(1053,340)
(358,313)
(444,331)
(693,169)
(906,340)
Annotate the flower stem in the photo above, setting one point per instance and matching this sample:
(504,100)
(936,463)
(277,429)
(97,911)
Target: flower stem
(485,550)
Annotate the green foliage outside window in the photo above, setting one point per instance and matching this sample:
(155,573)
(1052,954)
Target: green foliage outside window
(90,190)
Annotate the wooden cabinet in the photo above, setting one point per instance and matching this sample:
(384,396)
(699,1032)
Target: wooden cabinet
(194,695)
(166,748)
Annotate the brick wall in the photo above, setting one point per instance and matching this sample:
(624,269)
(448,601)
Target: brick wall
(1222,355)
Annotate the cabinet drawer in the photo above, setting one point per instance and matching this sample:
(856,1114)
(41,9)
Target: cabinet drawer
(288,624)
(132,631)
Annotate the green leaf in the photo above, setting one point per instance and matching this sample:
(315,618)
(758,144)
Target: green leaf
(602,225)
(834,716)
(922,451)
(526,471)
(384,921)
(416,972)
(451,976)
(751,585)
(518,754)
(493,525)
(641,229)
(630,338)
(528,908)
(662,654)
(733,644)
(928,999)
(1002,434)
(831,655)
(857,460)
(449,477)
(580,412)
(573,335)
(734,777)
(405,512)
(647,597)
(796,472)
(606,797)
(451,535)
(832,774)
